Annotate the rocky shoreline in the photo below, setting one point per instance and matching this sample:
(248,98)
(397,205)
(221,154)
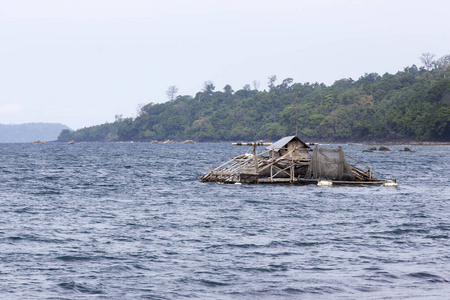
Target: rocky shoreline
(415,143)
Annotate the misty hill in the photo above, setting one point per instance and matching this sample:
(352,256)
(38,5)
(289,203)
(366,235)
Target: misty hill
(26,133)
(413,104)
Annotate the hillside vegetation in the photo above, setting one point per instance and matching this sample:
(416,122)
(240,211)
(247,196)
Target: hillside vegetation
(413,104)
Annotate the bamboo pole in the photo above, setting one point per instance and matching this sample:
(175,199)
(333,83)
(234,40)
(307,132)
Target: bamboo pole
(283,170)
(357,161)
(275,161)
(252,144)
(255,156)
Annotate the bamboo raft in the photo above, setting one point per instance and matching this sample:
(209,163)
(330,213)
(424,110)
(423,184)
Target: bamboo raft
(290,161)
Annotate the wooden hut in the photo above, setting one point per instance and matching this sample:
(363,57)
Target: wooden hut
(290,160)
(289,147)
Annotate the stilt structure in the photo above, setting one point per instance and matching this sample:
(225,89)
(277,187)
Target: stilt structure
(290,160)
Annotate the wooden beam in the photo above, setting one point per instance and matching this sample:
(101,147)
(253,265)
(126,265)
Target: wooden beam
(251,144)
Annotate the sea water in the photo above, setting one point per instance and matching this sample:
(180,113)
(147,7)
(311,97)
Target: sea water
(132,221)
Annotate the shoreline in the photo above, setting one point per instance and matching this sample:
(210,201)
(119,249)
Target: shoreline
(393,143)
(368,143)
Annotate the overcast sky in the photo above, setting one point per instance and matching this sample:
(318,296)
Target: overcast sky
(81,62)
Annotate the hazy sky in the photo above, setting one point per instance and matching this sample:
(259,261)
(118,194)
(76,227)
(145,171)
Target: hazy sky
(81,62)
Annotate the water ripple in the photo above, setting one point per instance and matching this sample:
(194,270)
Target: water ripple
(130,221)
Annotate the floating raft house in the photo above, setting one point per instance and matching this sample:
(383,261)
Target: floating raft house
(290,160)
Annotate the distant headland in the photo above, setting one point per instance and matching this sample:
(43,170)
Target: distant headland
(26,133)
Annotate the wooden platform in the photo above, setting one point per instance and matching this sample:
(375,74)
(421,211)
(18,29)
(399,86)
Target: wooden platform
(288,161)
(340,182)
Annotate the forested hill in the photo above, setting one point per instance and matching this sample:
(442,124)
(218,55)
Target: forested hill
(413,104)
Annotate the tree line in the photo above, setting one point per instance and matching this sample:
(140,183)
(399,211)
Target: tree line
(413,104)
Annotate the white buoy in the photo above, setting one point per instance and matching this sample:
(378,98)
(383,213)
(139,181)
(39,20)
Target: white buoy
(325,183)
(391,183)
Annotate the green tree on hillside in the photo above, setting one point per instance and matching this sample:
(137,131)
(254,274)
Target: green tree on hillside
(411,104)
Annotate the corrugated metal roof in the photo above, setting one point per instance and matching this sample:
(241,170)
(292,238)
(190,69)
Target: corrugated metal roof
(282,142)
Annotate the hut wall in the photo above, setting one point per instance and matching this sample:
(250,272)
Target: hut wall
(300,152)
